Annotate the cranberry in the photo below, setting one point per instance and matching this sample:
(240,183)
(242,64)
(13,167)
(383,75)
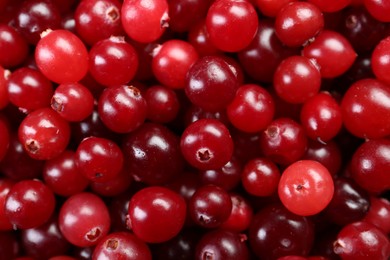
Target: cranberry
(13,47)
(378,9)
(379,214)
(152,206)
(380,60)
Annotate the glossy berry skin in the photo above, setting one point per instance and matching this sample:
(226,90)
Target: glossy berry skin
(199,38)
(29,89)
(332,52)
(163,104)
(298,22)
(379,213)
(113,61)
(362,240)
(44,134)
(206,144)
(74,102)
(252,109)
(211,84)
(350,202)
(5,186)
(29,204)
(370,165)
(152,206)
(276,227)
(36,16)
(113,187)
(152,154)
(84,219)
(265,48)
(62,57)
(241,216)
(222,244)
(126,115)
(379,9)
(330,6)
(284,141)
(62,175)
(306,187)
(365,109)
(296,79)
(144,21)
(96,20)
(260,177)
(380,60)
(13,47)
(99,159)
(321,117)
(210,206)
(121,245)
(232,24)
(271,7)
(45,241)
(171,62)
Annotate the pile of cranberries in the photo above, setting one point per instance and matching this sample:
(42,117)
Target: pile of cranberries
(195,129)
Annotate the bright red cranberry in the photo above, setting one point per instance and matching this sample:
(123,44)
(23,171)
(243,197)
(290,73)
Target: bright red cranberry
(252,109)
(298,22)
(379,213)
(332,53)
(44,134)
(113,61)
(365,109)
(122,109)
(330,5)
(62,175)
(121,245)
(13,47)
(296,79)
(145,21)
(99,159)
(260,177)
(321,117)
(265,49)
(222,244)
(73,101)
(5,186)
(211,84)
(210,206)
(29,204)
(84,219)
(284,141)
(45,241)
(328,154)
(306,187)
(380,60)
(227,177)
(370,165)
(184,14)
(207,144)
(171,62)
(231,24)
(29,89)
(271,7)
(163,104)
(241,216)
(379,9)
(276,227)
(156,214)
(4,74)
(98,19)
(349,203)
(362,240)
(62,57)
(152,154)
(36,16)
